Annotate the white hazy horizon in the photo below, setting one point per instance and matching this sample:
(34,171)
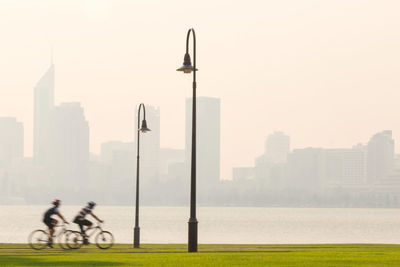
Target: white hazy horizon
(324,72)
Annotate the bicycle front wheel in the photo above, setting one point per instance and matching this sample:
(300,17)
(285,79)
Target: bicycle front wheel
(38,239)
(104,240)
(73,239)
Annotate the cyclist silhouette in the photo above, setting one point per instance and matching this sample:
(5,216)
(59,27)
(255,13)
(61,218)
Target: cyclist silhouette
(51,222)
(81,221)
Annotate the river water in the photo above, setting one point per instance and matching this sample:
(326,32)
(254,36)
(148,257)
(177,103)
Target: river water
(226,225)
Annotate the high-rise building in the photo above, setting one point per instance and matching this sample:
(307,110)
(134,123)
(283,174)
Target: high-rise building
(69,145)
(346,166)
(306,169)
(11,141)
(380,153)
(277,147)
(61,140)
(168,157)
(43,108)
(111,148)
(208,143)
(118,178)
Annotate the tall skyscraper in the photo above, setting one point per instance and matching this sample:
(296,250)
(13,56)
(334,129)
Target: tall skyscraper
(380,153)
(43,108)
(61,141)
(69,147)
(11,141)
(208,143)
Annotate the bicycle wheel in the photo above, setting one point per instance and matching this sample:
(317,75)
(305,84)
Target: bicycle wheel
(104,240)
(62,239)
(38,239)
(74,239)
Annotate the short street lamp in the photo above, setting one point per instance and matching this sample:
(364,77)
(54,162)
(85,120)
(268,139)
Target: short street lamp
(143,129)
(188,68)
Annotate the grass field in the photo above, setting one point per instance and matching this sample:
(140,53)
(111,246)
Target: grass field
(208,255)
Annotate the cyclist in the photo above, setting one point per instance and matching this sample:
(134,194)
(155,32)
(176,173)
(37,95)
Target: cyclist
(81,221)
(51,222)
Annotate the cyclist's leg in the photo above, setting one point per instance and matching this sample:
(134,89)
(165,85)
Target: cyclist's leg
(88,224)
(81,228)
(50,223)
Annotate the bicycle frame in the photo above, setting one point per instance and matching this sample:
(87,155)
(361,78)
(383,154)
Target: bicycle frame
(63,229)
(93,230)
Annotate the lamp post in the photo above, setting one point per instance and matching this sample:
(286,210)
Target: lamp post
(143,129)
(188,68)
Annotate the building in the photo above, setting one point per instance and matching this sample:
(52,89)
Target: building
(11,141)
(208,143)
(380,156)
(277,147)
(169,157)
(346,166)
(69,146)
(242,173)
(306,170)
(43,109)
(111,148)
(118,164)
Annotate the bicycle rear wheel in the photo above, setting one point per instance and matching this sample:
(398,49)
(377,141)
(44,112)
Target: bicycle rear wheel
(62,239)
(104,240)
(38,239)
(74,239)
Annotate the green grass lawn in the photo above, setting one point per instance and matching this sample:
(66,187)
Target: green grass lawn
(208,255)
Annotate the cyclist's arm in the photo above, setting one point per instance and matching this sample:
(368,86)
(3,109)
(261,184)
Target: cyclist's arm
(97,218)
(62,218)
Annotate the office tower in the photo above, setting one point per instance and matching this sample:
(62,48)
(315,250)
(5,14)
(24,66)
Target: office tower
(43,108)
(109,150)
(117,181)
(208,144)
(11,141)
(149,144)
(277,147)
(169,157)
(346,166)
(242,173)
(380,156)
(69,147)
(306,169)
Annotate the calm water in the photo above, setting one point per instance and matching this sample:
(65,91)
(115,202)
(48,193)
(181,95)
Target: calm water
(224,225)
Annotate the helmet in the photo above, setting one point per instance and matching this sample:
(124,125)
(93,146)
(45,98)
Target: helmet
(91,204)
(56,202)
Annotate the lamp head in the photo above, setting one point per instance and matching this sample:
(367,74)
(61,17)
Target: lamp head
(187,65)
(144,128)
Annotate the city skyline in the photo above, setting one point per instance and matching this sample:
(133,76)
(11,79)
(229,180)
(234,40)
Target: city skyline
(47,83)
(323,93)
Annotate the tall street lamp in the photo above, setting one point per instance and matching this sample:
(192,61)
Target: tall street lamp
(143,129)
(188,68)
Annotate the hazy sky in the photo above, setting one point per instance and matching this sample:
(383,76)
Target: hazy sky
(324,72)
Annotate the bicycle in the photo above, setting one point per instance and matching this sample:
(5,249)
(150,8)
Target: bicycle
(39,239)
(103,239)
